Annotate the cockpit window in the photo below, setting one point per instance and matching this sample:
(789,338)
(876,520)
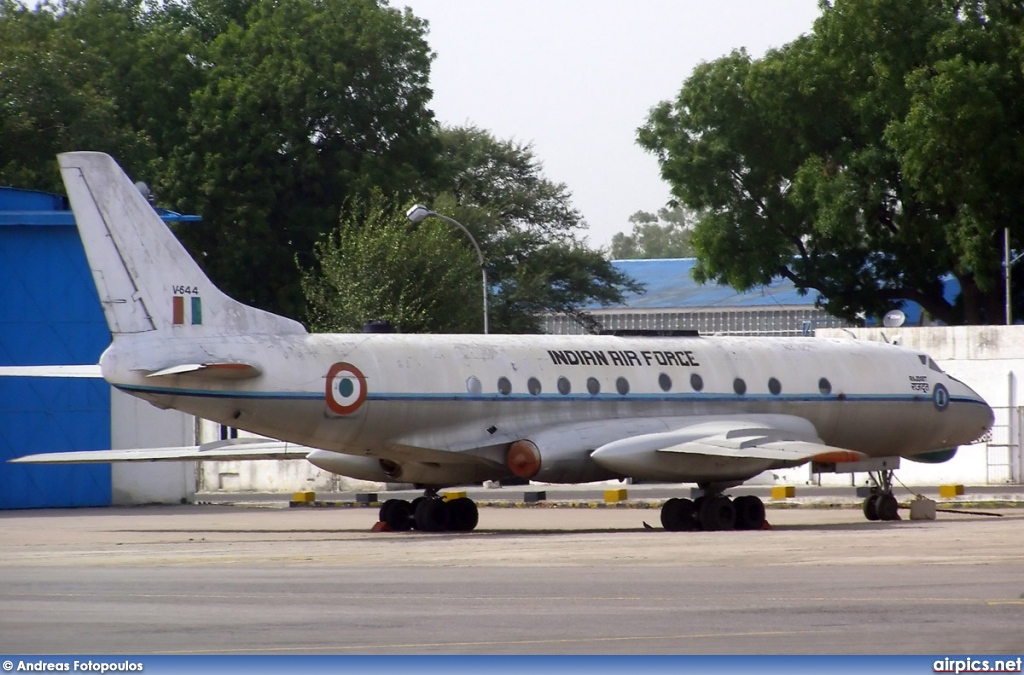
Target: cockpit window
(927,361)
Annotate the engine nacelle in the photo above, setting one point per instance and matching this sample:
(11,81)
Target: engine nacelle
(557,459)
(386,471)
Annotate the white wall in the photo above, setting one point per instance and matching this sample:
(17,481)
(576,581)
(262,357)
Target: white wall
(276,476)
(137,424)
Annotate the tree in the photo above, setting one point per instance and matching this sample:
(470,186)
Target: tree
(55,98)
(378,266)
(665,235)
(526,227)
(863,161)
(306,103)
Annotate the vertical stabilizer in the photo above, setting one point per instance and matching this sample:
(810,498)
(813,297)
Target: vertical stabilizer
(145,278)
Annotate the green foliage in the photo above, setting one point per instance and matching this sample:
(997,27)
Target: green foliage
(665,235)
(526,227)
(306,103)
(56,94)
(378,266)
(267,117)
(864,161)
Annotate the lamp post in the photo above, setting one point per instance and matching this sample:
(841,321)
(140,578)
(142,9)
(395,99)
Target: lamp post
(418,213)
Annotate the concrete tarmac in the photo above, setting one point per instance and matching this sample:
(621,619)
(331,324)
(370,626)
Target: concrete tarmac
(540,580)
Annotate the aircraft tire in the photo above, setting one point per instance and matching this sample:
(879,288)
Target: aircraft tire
(887,507)
(717,513)
(431,515)
(871,507)
(386,508)
(415,504)
(749,512)
(399,517)
(462,515)
(678,515)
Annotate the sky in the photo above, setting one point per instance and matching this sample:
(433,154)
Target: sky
(576,78)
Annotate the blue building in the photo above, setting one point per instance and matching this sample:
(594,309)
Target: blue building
(672,302)
(50,314)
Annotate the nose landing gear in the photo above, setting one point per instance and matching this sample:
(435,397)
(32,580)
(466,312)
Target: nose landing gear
(881,504)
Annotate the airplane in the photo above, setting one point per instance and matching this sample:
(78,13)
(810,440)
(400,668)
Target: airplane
(446,410)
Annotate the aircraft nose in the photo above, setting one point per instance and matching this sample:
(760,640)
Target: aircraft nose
(974,416)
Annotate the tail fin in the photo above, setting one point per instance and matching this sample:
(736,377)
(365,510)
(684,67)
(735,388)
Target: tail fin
(145,278)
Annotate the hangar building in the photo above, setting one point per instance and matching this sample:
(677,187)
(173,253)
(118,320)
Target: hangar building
(50,315)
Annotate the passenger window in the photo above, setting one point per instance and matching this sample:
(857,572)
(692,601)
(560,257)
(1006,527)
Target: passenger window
(665,382)
(504,386)
(622,386)
(593,386)
(533,386)
(739,386)
(697,382)
(774,386)
(564,386)
(473,386)
(824,386)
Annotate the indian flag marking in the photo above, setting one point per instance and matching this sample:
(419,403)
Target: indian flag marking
(178,313)
(346,388)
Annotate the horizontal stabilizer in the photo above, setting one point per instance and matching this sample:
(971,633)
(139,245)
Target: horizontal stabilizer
(232,449)
(219,371)
(51,371)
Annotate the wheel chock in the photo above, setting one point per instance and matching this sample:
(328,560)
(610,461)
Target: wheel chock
(381,526)
(783,492)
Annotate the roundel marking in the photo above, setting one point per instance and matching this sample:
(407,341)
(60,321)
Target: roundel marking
(940,395)
(346,388)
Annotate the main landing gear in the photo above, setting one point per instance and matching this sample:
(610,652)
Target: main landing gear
(430,513)
(881,504)
(711,512)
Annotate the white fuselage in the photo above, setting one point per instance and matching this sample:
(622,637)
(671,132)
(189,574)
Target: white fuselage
(475,395)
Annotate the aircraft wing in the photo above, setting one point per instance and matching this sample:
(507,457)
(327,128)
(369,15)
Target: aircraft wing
(232,449)
(768,438)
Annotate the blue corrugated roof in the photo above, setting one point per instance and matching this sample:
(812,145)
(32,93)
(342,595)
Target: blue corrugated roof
(30,207)
(669,284)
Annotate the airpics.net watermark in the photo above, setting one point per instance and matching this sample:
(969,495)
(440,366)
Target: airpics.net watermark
(969,665)
(89,666)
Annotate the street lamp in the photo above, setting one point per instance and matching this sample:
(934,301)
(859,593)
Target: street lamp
(418,213)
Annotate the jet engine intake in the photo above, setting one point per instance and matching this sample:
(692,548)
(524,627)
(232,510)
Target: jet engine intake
(552,463)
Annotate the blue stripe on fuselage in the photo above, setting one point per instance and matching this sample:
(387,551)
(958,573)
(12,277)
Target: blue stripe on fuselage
(654,398)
